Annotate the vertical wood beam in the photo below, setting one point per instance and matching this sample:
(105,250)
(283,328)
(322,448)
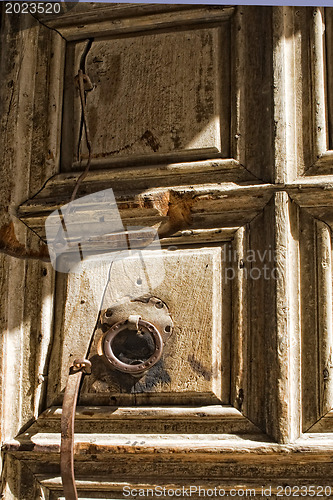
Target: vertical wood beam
(252,112)
(284,94)
(273,366)
(319,102)
(288,418)
(27,138)
(309,320)
(240,382)
(329,71)
(325,317)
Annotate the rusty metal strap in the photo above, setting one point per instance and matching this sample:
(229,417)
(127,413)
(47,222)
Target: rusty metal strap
(76,371)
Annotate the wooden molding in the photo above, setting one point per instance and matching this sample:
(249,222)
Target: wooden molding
(211,205)
(110,20)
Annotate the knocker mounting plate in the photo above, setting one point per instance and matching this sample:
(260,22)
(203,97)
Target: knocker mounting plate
(135,332)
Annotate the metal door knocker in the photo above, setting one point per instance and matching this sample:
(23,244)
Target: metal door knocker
(136,323)
(131,336)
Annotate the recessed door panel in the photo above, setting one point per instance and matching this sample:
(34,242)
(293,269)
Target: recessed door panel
(189,284)
(153,95)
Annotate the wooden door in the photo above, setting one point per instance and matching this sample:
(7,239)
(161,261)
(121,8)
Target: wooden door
(211,125)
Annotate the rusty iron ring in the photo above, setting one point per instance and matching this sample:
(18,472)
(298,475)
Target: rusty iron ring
(124,367)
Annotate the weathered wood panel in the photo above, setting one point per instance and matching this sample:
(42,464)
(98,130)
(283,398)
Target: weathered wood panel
(27,101)
(19,482)
(291,92)
(203,206)
(78,302)
(325,319)
(251,90)
(219,454)
(309,319)
(258,488)
(97,20)
(323,425)
(273,350)
(301,85)
(329,71)
(261,302)
(192,203)
(240,317)
(151,420)
(319,102)
(175,107)
(190,370)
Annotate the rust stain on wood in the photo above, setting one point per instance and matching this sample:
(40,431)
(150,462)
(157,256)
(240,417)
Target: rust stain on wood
(10,245)
(161,202)
(179,213)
